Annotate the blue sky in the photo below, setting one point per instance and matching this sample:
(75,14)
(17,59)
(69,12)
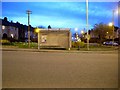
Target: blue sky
(60,14)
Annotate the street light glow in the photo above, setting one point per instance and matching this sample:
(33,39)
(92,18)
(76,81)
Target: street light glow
(76,29)
(110,24)
(82,32)
(116,12)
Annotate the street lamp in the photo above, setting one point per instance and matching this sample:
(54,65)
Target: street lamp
(107,35)
(76,33)
(37,30)
(87,24)
(112,25)
(82,32)
(76,29)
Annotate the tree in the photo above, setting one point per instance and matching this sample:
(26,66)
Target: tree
(49,27)
(5,36)
(101,30)
(5,18)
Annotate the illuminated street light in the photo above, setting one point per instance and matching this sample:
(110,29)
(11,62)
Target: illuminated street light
(116,12)
(76,29)
(82,32)
(37,30)
(110,24)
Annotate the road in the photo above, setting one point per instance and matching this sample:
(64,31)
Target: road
(59,70)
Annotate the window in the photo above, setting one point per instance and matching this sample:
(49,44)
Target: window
(12,35)
(3,27)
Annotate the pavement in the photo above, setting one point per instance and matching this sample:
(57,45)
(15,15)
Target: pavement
(58,51)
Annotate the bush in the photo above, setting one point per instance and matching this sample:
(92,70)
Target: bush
(4,41)
(77,44)
(82,44)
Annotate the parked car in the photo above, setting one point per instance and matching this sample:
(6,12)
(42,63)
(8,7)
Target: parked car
(110,43)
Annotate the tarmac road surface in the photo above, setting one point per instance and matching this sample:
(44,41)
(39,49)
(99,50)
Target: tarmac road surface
(59,70)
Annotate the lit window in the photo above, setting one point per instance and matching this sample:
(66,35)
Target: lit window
(3,27)
(72,37)
(12,35)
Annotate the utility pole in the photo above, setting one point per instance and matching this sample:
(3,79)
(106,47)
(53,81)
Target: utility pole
(113,25)
(28,12)
(87,24)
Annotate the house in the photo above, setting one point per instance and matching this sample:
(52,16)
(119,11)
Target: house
(8,30)
(16,30)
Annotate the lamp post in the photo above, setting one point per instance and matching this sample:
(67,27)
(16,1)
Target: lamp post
(87,24)
(76,29)
(112,25)
(37,30)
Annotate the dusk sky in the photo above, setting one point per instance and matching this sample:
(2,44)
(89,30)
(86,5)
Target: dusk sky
(60,14)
